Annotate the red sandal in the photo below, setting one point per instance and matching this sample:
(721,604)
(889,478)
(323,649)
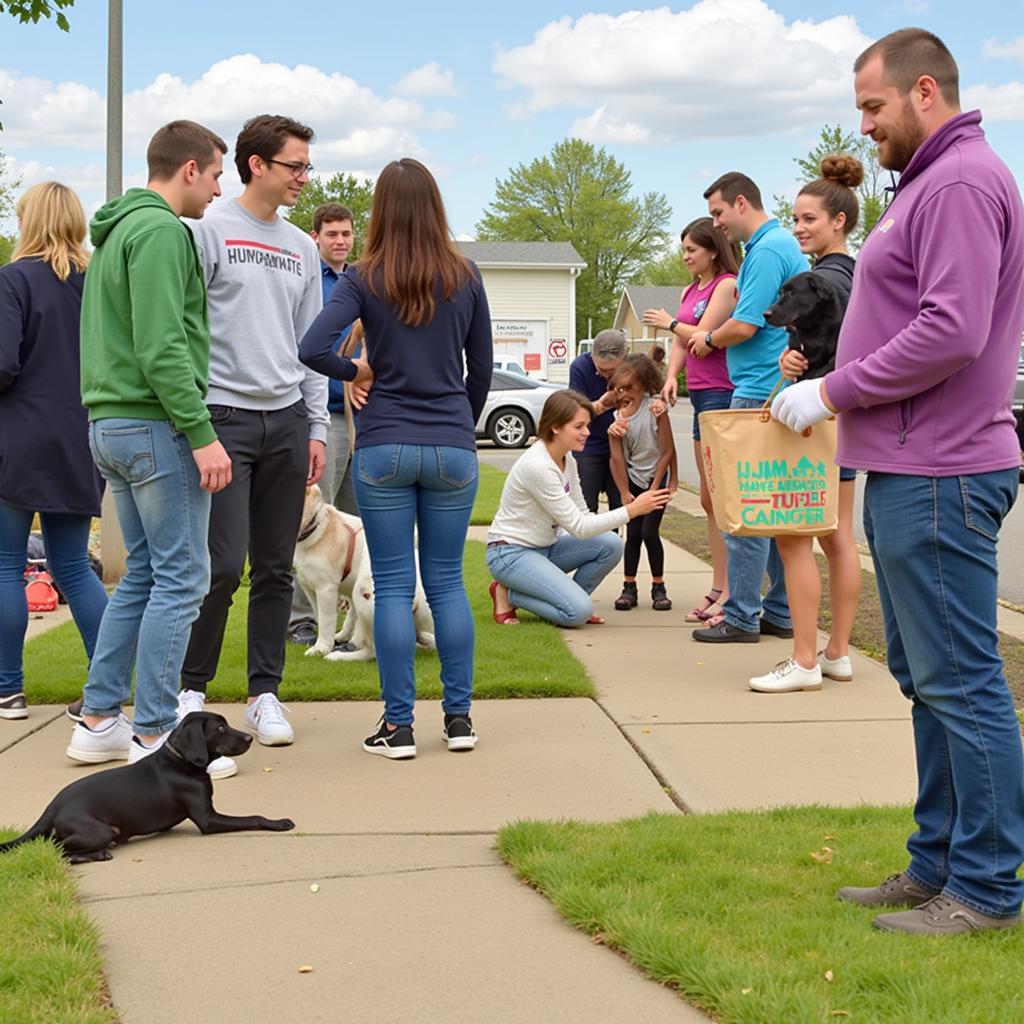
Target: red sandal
(508,618)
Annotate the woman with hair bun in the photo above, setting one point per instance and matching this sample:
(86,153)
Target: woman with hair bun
(825,213)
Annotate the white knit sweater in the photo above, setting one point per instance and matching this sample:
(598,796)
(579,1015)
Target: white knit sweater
(539,500)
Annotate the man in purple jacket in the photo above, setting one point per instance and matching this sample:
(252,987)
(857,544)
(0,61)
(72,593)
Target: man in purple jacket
(924,373)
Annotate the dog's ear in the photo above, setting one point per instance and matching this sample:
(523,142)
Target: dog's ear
(822,287)
(189,739)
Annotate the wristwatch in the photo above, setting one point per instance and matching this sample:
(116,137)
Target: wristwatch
(672,326)
(708,341)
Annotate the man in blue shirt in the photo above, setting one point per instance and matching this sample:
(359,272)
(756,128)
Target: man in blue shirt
(588,374)
(334,236)
(753,347)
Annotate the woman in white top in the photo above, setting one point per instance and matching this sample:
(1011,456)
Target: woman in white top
(543,529)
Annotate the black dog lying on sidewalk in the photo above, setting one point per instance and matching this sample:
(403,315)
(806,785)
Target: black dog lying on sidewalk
(152,795)
(810,309)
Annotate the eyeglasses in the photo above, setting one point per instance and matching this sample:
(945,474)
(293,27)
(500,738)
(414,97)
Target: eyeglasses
(297,170)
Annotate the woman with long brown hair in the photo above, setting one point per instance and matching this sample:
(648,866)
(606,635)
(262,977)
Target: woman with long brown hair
(45,464)
(705,304)
(429,347)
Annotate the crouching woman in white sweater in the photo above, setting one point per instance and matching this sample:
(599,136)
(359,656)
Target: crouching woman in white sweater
(544,530)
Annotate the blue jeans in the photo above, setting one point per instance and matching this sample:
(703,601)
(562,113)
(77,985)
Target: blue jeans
(748,559)
(402,487)
(536,577)
(164,514)
(66,538)
(933,541)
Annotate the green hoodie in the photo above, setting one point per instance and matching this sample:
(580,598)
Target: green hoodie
(145,335)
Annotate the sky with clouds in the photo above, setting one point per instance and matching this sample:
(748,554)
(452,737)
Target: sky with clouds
(679,94)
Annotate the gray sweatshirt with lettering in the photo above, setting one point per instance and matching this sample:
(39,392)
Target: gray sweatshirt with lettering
(263,291)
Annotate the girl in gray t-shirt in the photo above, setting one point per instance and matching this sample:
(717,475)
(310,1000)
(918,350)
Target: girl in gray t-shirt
(643,455)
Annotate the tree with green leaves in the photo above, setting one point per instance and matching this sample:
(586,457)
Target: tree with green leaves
(870,193)
(581,194)
(668,268)
(33,10)
(340,188)
(8,186)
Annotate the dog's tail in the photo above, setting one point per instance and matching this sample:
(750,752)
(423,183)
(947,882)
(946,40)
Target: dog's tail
(42,828)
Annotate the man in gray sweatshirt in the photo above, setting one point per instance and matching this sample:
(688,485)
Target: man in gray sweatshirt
(270,412)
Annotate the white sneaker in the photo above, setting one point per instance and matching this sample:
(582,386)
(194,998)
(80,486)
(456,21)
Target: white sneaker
(110,742)
(195,700)
(265,717)
(836,668)
(138,750)
(787,676)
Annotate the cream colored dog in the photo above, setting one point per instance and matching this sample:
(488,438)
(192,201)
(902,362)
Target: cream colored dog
(331,562)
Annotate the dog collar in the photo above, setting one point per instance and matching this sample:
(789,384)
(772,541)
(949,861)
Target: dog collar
(173,749)
(305,531)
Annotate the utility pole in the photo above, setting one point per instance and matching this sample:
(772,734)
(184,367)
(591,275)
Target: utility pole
(112,549)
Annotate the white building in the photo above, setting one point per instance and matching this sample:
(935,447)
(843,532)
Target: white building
(531,289)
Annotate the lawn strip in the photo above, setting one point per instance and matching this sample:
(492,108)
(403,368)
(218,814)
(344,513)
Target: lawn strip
(737,911)
(50,969)
(529,660)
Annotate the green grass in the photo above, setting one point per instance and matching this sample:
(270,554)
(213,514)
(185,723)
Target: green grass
(488,495)
(868,636)
(734,912)
(50,967)
(526,661)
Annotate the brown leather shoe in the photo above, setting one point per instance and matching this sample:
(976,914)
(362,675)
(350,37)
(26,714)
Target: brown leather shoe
(74,710)
(896,891)
(943,915)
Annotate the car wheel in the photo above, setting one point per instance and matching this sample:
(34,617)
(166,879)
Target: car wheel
(509,428)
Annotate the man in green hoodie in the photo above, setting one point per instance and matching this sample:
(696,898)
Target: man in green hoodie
(145,342)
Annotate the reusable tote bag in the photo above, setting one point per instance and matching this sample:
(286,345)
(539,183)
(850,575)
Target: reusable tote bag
(764,479)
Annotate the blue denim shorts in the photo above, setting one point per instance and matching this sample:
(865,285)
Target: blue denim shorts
(707,400)
(847,474)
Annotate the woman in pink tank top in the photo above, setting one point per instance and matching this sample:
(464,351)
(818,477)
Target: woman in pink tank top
(707,302)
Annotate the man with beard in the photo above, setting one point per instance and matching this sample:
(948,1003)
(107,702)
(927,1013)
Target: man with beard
(924,374)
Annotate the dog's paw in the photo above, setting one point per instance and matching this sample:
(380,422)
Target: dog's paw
(355,654)
(318,650)
(279,825)
(426,642)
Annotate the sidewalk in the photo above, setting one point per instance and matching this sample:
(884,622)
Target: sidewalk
(416,918)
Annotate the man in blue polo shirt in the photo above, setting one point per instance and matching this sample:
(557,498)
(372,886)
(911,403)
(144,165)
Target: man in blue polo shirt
(334,237)
(752,349)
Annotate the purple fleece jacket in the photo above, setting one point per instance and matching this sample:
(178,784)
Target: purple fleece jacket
(927,356)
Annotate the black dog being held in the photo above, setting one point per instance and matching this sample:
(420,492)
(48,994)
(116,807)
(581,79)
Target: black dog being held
(89,816)
(810,308)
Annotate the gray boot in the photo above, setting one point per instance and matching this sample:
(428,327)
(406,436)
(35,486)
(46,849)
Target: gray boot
(896,891)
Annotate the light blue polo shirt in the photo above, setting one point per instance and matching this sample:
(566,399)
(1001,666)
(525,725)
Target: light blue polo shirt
(771,257)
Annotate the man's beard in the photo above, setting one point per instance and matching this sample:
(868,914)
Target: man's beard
(904,141)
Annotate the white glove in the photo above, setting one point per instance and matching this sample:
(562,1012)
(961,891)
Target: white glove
(800,406)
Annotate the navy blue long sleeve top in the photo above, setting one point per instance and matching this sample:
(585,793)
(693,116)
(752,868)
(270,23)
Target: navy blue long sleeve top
(430,382)
(45,464)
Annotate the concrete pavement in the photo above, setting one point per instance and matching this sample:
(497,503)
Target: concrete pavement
(416,918)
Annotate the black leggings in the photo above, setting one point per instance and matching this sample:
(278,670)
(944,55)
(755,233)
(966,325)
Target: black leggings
(644,530)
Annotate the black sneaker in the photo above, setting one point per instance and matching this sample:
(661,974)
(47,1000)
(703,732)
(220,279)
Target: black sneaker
(458,732)
(395,743)
(74,709)
(13,706)
(768,628)
(304,634)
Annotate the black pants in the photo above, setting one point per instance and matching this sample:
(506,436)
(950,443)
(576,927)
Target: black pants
(644,530)
(259,514)
(596,476)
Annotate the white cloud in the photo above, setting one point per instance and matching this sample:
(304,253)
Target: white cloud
(1012,49)
(429,80)
(997,102)
(720,68)
(42,114)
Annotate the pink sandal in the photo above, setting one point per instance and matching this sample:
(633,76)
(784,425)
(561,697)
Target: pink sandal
(705,614)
